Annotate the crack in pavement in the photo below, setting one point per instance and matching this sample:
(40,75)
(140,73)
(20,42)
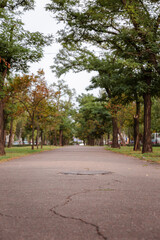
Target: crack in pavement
(83,221)
(68,200)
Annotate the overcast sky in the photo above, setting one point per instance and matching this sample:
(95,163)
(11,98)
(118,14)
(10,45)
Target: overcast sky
(42,21)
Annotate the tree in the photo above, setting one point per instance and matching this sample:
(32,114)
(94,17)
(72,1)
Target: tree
(31,91)
(12,110)
(62,99)
(117,77)
(92,119)
(128,28)
(18,47)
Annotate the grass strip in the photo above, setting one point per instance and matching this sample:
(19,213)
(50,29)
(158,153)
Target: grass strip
(128,150)
(16,152)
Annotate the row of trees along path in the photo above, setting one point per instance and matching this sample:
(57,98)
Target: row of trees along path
(120,40)
(18,47)
(30,104)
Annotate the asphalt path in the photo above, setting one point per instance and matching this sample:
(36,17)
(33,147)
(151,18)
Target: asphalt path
(79,193)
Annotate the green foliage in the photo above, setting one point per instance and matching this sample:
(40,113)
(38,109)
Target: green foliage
(62,119)
(30,90)
(92,119)
(128,30)
(18,47)
(34,105)
(14,4)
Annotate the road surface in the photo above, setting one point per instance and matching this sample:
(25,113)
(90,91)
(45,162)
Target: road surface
(79,193)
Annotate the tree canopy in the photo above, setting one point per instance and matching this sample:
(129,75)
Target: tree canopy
(18,47)
(125,29)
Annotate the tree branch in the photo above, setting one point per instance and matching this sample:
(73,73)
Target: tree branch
(24,106)
(145,9)
(19,4)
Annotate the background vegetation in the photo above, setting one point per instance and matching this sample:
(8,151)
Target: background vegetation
(117,40)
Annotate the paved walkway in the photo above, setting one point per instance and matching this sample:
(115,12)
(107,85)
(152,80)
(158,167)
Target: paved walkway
(79,193)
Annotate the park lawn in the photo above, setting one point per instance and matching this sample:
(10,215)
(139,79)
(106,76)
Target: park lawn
(16,152)
(128,150)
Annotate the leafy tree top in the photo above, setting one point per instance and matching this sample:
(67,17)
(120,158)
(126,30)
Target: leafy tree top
(124,27)
(18,46)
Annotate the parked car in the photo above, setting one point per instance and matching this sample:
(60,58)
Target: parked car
(81,144)
(16,143)
(155,138)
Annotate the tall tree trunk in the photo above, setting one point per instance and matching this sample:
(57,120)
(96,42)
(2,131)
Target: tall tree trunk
(2,150)
(20,136)
(101,141)
(10,133)
(44,139)
(55,138)
(4,136)
(61,137)
(41,138)
(137,146)
(114,125)
(2,142)
(37,139)
(129,137)
(121,137)
(147,144)
(108,138)
(33,134)
(115,133)
(90,141)
(5,118)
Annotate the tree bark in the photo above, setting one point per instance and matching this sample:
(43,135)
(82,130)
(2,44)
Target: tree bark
(147,144)
(129,137)
(90,141)
(137,146)
(2,142)
(108,138)
(2,149)
(33,134)
(121,138)
(37,139)
(44,139)
(20,136)
(55,138)
(10,133)
(101,141)
(41,138)
(115,133)
(61,137)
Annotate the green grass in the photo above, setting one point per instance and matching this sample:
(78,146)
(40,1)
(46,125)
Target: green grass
(16,152)
(128,150)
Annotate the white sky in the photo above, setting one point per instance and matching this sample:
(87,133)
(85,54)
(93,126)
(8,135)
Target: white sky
(43,21)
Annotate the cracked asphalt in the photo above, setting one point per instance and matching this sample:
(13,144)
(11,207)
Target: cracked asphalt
(79,193)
